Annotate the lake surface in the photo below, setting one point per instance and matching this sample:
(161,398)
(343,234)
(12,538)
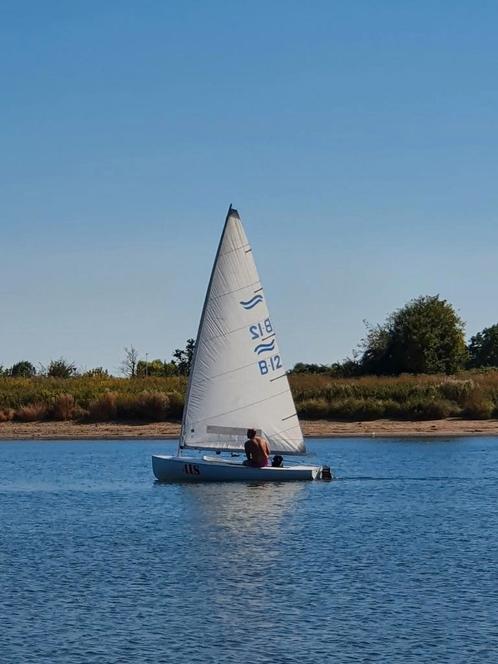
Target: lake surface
(396,561)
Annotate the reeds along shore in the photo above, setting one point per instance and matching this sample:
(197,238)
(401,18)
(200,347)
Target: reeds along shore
(472,395)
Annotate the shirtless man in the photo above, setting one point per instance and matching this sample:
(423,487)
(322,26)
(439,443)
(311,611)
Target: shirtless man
(257,450)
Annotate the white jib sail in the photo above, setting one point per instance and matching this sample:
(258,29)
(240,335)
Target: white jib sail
(238,380)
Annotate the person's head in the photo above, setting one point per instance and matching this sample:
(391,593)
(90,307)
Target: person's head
(251,433)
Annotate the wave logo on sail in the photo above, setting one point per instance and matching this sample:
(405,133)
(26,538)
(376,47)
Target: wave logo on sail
(250,304)
(265,348)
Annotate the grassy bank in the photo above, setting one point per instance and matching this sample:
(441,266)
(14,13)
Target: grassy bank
(96,399)
(470,395)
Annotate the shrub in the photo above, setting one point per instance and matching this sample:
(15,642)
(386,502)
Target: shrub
(98,372)
(348,409)
(456,390)
(63,407)
(126,407)
(478,407)
(149,406)
(437,409)
(23,369)
(357,409)
(314,409)
(32,412)
(104,408)
(6,414)
(153,406)
(80,413)
(61,368)
(176,403)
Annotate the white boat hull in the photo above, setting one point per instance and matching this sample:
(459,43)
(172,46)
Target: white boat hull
(212,469)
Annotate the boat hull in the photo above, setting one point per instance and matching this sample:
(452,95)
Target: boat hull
(209,469)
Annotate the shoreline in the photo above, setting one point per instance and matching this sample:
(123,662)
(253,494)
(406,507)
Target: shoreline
(69,430)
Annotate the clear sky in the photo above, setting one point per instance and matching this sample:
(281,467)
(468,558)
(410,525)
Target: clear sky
(359,141)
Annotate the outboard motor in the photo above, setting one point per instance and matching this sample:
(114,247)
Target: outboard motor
(277,461)
(326,473)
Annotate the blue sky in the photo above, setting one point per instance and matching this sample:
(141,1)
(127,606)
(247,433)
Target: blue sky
(359,142)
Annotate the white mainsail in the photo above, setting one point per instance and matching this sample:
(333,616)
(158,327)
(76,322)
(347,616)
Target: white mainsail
(237,380)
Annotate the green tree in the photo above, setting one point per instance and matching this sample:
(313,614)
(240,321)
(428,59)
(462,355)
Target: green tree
(98,372)
(483,348)
(424,336)
(156,368)
(302,367)
(376,349)
(61,368)
(23,369)
(348,368)
(182,359)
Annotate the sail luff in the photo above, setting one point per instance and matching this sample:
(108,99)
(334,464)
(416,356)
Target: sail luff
(201,321)
(237,379)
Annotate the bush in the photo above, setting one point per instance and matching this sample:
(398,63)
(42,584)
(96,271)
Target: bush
(348,409)
(6,414)
(104,408)
(61,368)
(176,403)
(456,390)
(148,406)
(80,413)
(23,369)
(63,407)
(314,409)
(437,409)
(153,406)
(32,412)
(98,372)
(360,409)
(127,407)
(478,407)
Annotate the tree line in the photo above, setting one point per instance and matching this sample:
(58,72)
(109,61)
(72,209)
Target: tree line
(425,336)
(131,367)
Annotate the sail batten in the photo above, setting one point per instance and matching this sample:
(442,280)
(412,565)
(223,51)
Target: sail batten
(237,380)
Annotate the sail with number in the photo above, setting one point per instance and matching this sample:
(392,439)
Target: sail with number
(237,380)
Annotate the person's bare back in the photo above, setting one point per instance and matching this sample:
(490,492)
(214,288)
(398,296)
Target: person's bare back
(257,450)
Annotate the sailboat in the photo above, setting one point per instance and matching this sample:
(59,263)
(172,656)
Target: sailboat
(237,381)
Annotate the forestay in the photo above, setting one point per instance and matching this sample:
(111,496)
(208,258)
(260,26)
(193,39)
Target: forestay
(238,380)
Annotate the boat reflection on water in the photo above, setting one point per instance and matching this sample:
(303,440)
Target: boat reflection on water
(243,531)
(243,509)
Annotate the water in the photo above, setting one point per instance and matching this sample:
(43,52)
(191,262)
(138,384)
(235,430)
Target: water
(394,562)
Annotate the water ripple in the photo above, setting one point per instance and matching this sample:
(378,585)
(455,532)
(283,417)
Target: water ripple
(99,564)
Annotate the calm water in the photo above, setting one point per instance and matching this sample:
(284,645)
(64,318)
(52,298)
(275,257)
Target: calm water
(394,562)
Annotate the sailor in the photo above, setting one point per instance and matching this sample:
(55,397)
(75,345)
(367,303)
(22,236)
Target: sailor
(257,450)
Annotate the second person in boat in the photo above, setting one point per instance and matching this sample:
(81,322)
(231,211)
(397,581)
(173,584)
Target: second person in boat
(257,450)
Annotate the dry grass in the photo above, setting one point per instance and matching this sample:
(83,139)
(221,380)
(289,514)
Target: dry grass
(33,412)
(63,407)
(100,398)
(469,394)
(6,414)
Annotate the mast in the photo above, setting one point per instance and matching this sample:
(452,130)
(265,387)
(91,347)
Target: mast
(231,212)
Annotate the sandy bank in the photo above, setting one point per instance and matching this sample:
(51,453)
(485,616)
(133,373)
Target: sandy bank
(316,428)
